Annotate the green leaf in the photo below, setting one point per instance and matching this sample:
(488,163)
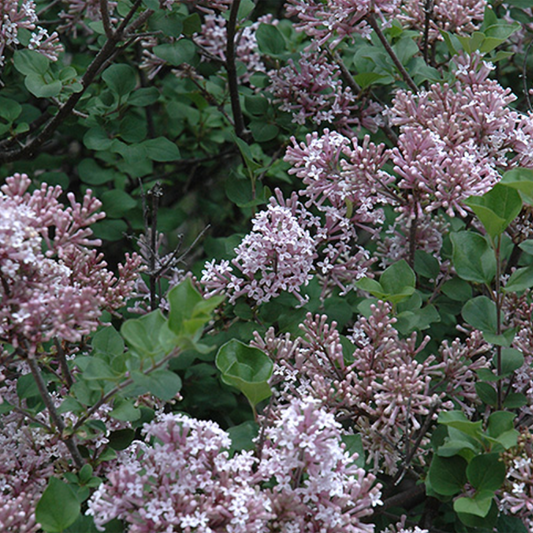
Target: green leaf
(263,132)
(161,149)
(520,179)
(457,420)
(426,265)
(500,422)
(527,246)
(497,208)
(242,436)
(481,313)
(256,105)
(120,78)
(58,507)
(354,445)
(457,289)
(125,411)
(93,174)
(108,341)
(99,369)
(117,203)
(245,368)
(472,257)
(487,394)
(366,79)
(142,334)
(478,505)
(163,384)
(270,40)
(511,360)
(176,53)
(520,279)
(144,96)
(30,62)
(398,277)
(40,87)
(97,139)
(447,475)
(9,109)
(486,472)
(372,286)
(515,400)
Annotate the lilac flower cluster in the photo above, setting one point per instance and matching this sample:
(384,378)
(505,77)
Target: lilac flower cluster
(15,16)
(455,16)
(312,90)
(53,285)
(517,495)
(337,18)
(183,478)
(77,11)
(276,256)
(455,139)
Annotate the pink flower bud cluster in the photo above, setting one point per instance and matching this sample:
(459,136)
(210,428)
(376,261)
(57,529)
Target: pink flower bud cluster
(455,16)
(313,91)
(456,138)
(51,283)
(187,481)
(15,16)
(78,11)
(323,19)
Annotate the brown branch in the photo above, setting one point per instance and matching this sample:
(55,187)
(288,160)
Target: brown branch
(231,69)
(104,11)
(92,71)
(69,441)
(405,75)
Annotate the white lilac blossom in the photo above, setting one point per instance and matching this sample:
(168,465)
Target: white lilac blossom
(312,90)
(276,256)
(184,481)
(18,15)
(318,487)
(53,286)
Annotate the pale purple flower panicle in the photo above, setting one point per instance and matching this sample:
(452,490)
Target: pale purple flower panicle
(185,482)
(276,256)
(455,16)
(337,18)
(318,485)
(53,286)
(16,15)
(455,139)
(313,90)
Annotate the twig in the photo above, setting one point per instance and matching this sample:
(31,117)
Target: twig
(66,110)
(428,10)
(65,370)
(69,441)
(231,69)
(104,11)
(118,388)
(405,75)
(29,416)
(524,76)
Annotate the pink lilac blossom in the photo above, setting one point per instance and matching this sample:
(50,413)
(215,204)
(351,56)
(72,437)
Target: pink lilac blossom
(400,527)
(380,386)
(516,498)
(276,256)
(337,19)
(17,15)
(319,488)
(53,286)
(455,16)
(185,481)
(312,90)
(213,37)
(455,139)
